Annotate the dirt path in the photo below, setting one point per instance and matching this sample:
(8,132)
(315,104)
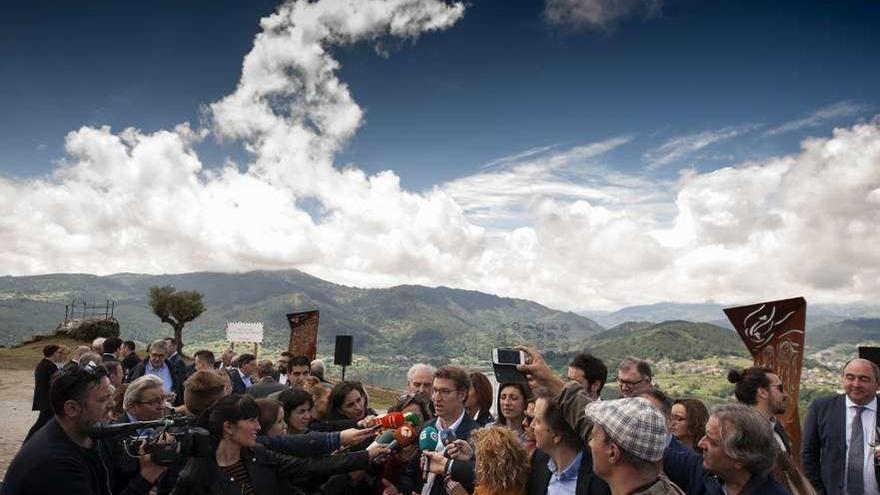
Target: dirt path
(16,394)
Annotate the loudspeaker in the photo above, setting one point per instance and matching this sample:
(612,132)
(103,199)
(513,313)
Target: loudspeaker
(342,353)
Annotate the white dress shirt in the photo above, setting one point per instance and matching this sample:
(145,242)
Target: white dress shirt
(869,422)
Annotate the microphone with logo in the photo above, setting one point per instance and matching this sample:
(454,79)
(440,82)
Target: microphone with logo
(395,440)
(428,439)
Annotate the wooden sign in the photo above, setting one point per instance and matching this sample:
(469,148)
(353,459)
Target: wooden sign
(774,334)
(303,334)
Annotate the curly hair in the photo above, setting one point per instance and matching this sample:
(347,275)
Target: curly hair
(502,461)
(697,415)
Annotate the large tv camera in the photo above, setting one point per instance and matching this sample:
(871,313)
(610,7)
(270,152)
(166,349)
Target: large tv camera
(168,441)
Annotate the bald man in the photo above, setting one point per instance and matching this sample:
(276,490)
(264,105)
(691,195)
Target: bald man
(838,432)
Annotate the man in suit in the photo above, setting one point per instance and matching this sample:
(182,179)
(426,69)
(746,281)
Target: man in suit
(267,384)
(130,358)
(838,433)
(178,365)
(241,376)
(110,349)
(560,464)
(157,364)
(449,393)
(52,354)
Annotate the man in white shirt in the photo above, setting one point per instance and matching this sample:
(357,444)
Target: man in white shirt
(838,433)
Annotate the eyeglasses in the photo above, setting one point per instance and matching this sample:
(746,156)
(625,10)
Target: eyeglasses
(627,383)
(155,402)
(443,392)
(678,419)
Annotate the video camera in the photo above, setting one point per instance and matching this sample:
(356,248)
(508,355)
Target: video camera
(186,440)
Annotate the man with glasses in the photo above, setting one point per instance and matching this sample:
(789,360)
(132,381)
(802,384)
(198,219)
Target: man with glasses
(633,377)
(449,391)
(158,365)
(62,456)
(762,389)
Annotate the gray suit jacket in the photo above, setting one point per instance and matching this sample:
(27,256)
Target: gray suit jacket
(267,385)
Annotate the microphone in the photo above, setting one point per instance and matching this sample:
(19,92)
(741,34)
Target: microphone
(391,420)
(114,430)
(412,418)
(385,438)
(403,437)
(427,442)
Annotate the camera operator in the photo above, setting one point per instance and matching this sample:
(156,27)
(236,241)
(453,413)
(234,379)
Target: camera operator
(144,400)
(62,456)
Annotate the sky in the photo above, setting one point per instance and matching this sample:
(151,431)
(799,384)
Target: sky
(585,154)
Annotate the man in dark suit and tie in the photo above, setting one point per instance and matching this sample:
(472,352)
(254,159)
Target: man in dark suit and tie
(449,393)
(241,376)
(838,433)
(42,381)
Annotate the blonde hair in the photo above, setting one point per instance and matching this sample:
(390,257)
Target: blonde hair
(502,461)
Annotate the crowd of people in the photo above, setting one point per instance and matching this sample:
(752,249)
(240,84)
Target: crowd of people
(282,428)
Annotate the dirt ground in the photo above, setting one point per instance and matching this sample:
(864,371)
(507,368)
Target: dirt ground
(16,393)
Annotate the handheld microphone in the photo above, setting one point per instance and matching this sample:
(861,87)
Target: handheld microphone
(412,418)
(385,438)
(391,420)
(427,442)
(403,437)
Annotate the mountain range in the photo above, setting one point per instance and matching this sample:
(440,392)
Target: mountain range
(408,320)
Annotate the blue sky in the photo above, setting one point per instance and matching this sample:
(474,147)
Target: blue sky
(495,130)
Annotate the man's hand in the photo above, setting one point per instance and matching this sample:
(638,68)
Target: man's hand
(436,462)
(538,373)
(460,450)
(354,436)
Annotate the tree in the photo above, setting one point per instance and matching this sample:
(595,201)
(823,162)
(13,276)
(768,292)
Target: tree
(176,308)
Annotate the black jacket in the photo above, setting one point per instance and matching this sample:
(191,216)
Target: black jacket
(129,362)
(270,473)
(411,480)
(587,481)
(267,385)
(238,385)
(42,379)
(176,383)
(51,463)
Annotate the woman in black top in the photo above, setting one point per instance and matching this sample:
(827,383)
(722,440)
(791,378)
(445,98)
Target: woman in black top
(241,466)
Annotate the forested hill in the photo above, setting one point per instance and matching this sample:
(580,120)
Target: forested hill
(407,319)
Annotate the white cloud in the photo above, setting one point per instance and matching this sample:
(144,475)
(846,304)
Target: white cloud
(597,14)
(681,147)
(557,226)
(830,112)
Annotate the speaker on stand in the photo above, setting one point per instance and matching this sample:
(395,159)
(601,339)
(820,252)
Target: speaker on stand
(342,352)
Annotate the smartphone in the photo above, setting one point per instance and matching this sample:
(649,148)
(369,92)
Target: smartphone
(508,356)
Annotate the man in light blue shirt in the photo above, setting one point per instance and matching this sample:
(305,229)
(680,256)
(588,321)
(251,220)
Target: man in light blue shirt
(157,365)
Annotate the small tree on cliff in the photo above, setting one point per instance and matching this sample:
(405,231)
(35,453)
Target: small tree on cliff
(176,308)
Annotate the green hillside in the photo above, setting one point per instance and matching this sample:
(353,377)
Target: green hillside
(854,331)
(410,320)
(673,340)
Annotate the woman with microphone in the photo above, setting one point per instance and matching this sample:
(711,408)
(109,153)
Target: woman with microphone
(239,465)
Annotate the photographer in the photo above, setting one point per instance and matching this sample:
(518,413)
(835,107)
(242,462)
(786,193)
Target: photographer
(62,456)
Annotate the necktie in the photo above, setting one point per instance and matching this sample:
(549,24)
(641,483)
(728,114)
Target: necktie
(855,482)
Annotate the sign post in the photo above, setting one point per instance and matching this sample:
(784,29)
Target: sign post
(773,332)
(241,332)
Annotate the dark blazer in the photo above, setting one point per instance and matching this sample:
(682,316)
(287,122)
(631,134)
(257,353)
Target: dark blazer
(178,366)
(42,379)
(587,482)
(238,386)
(824,444)
(176,383)
(411,480)
(261,389)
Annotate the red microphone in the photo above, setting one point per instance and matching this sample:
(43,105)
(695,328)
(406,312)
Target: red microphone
(391,420)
